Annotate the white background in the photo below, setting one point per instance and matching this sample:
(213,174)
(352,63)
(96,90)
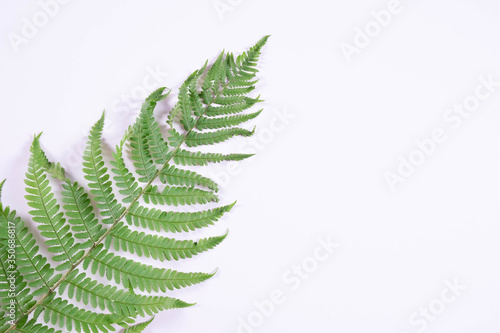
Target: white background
(321,175)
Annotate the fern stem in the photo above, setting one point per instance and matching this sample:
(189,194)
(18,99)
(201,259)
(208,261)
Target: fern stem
(127,210)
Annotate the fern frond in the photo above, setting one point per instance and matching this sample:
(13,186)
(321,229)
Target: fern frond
(175,176)
(185,157)
(60,312)
(118,301)
(215,123)
(124,179)
(226,109)
(209,138)
(212,80)
(136,275)
(158,148)
(178,195)
(158,220)
(97,174)
(28,261)
(15,296)
(172,115)
(80,214)
(32,326)
(185,106)
(143,161)
(139,327)
(32,265)
(87,225)
(46,211)
(157,247)
(237,91)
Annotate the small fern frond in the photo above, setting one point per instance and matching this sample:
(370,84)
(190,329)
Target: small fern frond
(158,220)
(158,148)
(135,275)
(237,91)
(46,211)
(60,312)
(138,328)
(17,300)
(215,123)
(97,175)
(176,176)
(31,264)
(225,109)
(187,102)
(157,247)
(185,157)
(118,301)
(124,179)
(178,195)
(143,161)
(209,138)
(80,214)
(32,326)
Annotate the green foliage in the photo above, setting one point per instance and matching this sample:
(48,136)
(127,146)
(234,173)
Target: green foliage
(55,278)
(138,327)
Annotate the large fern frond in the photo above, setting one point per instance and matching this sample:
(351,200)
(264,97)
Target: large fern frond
(84,226)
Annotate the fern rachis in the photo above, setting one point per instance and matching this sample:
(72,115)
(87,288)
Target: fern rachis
(81,231)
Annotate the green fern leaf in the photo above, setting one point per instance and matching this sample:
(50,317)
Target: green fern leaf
(46,211)
(118,301)
(144,164)
(178,196)
(124,179)
(156,144)
(209,138)
(96,217)
(32,326)
(232,108)
(215,123)
(18,300)
(139,327)
(157,247)
(212,80)
(158,220)
(237,91)
(185,106)
(185,157)
(175,176)
(136,275)
(80,214)
(31,264)
(97,175)
(61,312)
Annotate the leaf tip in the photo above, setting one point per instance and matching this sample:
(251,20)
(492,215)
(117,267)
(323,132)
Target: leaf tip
(229,207)
(1,186)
